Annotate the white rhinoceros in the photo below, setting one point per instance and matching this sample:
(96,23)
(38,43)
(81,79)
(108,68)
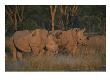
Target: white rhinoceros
(51,44)
(70,39)
(26,41)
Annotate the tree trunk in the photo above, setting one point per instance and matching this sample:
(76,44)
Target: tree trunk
(15,15)
(15,22)
(59,23)
(53,11)
(63,15)
(15,18)
(52,22)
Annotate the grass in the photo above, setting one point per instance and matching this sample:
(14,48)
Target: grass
(89,58)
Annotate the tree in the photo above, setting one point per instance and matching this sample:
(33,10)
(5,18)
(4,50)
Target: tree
(63,10)
(74,10)
(15,15)
(68,15)
(73,18)
(53,11)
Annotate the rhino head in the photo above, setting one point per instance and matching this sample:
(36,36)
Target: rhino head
(81,38)
(51,44)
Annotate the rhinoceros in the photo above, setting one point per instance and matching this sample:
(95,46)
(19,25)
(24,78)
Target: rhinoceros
(26,41)
(71,39)
(51,44)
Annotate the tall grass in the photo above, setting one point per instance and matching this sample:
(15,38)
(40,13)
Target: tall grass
(87,58)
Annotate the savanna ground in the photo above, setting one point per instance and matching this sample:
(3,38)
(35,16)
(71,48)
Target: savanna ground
(89,58)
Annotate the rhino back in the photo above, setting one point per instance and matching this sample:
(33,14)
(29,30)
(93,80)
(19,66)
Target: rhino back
(21,40)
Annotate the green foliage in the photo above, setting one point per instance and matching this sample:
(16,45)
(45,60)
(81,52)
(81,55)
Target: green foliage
(92,17)
(29,24)
(91,23)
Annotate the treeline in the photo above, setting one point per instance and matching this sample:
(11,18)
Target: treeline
(20,17)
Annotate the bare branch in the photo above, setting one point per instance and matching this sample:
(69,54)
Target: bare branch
(10,15)
(18,13)
(9,10)
(63,10)
(22,12)
(55,9)
(51,9)
(76,10)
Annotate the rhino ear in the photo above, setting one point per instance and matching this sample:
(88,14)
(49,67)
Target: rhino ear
(76,29)
(83,30)
(33,33)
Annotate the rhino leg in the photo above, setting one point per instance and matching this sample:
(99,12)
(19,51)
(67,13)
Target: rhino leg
(14,54)
(48,53)
(13,48)
(19,55)
(35,51)
(74,50)
(42,52)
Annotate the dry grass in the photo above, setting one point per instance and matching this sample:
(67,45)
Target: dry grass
(89,58)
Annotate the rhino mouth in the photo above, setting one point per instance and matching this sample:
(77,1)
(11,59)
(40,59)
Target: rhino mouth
(45,48)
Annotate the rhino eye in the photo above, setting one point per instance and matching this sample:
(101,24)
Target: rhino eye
(79,39)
